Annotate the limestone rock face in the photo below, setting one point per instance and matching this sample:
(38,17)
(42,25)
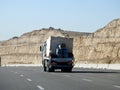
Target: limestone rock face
(102,46)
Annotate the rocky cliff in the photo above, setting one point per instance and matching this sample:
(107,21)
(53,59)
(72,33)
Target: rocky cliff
(102,46)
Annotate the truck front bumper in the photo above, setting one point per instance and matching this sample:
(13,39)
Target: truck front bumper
(62,63)
(62,66)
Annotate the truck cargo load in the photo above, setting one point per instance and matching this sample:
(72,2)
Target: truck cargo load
(57,54)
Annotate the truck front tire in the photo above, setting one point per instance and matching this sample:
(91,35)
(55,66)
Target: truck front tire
(44,66)
(47,67)
(50,69)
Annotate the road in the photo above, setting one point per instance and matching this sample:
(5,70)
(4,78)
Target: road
(33,78)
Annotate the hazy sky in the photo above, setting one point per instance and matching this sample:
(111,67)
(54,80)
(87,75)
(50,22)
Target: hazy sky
(21,16)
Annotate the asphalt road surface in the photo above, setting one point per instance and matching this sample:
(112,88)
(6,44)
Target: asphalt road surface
(33,78)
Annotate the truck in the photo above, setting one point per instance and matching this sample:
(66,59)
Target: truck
(57,53)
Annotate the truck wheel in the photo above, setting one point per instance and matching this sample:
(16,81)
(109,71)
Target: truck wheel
(49,69)
(44,67)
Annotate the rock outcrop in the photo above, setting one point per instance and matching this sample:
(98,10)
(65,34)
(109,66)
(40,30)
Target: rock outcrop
(102,46)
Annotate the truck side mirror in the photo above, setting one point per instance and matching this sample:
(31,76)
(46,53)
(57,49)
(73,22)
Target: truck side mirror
(40,48)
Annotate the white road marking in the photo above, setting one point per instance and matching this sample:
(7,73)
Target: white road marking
(40,87)
(22,75)
(116,86)
(88,80)
(29,79)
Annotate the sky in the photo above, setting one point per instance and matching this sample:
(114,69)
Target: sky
(21,16)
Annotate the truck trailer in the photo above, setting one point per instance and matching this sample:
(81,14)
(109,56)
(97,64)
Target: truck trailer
(57,53)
